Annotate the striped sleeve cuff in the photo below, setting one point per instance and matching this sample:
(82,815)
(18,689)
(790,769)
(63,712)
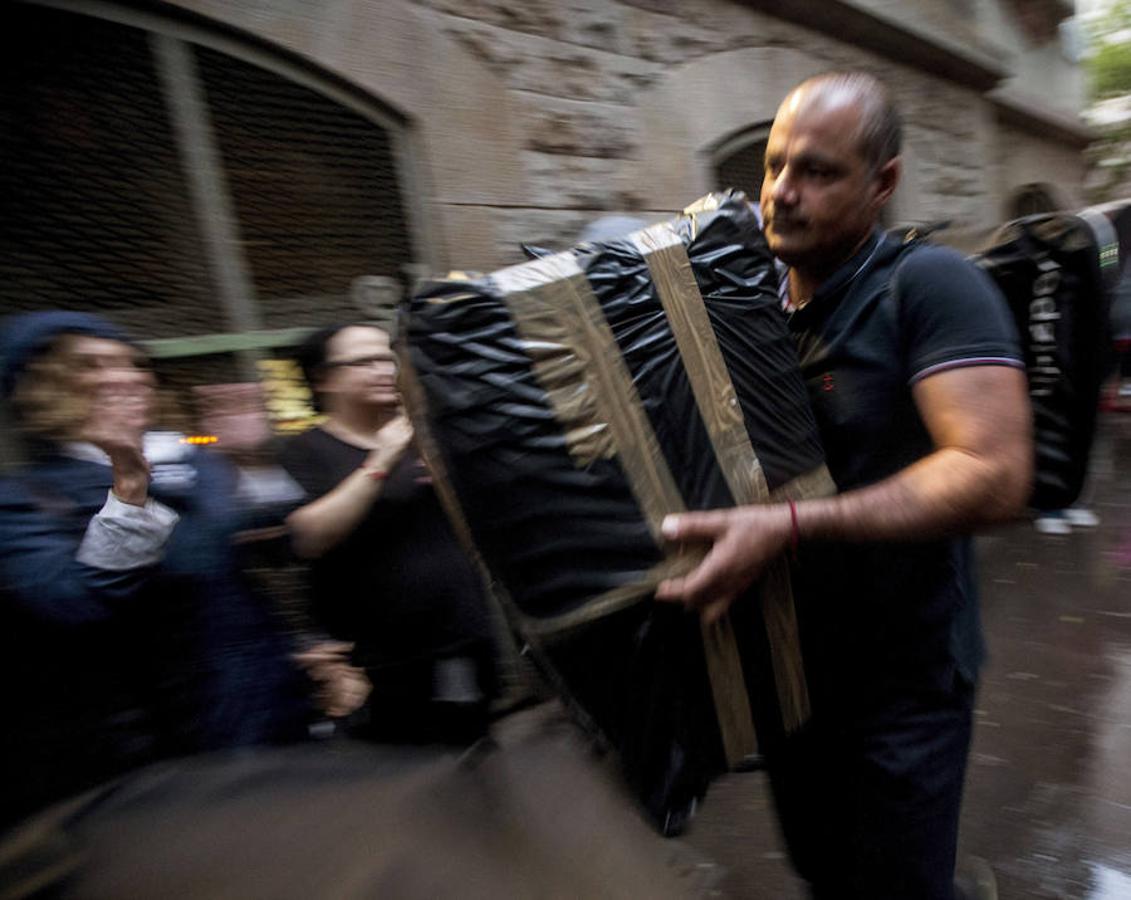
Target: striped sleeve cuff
(964,363)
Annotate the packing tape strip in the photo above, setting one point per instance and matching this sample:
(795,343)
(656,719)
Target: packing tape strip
(718,405)
(553,304)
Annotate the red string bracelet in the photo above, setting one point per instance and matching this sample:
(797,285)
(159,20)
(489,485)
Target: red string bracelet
(794,531)
(376,474)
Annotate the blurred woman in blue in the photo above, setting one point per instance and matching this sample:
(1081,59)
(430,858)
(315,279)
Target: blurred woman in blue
(126,635)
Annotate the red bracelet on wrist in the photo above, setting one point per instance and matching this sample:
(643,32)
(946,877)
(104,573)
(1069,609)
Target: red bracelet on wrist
(794,531)
(376,474)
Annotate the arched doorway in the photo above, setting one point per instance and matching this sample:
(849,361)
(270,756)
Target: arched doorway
(739,160)
(1031,200)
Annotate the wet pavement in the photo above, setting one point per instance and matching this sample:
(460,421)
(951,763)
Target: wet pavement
(1048,792)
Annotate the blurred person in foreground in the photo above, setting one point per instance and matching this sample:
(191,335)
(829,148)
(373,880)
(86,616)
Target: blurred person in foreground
(389,577)
(916,380)
(125,634)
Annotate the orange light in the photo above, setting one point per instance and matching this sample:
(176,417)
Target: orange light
(199,439)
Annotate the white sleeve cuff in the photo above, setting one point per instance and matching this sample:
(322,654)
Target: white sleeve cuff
(122,536)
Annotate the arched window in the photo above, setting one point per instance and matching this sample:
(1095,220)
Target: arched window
(209,197)
(739,161)
(1031,199)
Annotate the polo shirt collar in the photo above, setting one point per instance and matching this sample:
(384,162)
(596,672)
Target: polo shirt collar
(873,250)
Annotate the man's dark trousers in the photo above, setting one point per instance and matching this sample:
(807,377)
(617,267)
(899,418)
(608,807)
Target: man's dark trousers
(869,801)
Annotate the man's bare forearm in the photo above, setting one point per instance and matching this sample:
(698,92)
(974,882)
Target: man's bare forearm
(981,473)
(949,492)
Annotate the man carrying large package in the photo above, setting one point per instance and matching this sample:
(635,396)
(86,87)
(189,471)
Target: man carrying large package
(915,376)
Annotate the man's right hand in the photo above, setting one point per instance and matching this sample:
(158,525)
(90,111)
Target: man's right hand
(743,541)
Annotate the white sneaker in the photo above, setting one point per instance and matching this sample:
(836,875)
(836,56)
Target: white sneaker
(1079,517)
(1054,524)
(975,880)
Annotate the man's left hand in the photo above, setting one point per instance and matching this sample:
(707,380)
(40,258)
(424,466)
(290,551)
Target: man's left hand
(743,542)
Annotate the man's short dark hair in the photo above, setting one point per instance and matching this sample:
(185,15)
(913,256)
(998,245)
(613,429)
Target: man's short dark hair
(881,128)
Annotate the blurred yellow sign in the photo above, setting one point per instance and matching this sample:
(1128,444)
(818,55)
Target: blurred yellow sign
(287,396)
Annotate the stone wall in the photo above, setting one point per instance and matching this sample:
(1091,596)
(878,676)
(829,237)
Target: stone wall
(530,119)
(1025,159)
(623,105)
(1040,67)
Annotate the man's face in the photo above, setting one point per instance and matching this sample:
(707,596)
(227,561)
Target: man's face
(108,374)
(361,368)
(820,196)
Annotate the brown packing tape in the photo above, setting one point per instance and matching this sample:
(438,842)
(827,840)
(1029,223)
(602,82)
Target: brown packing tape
(551,338)
(504,609)
(554,307)
(815,483)
(557,627)
(718,405)
(714,391)
(579,416)
(780,614)
(558,315)
(728,688)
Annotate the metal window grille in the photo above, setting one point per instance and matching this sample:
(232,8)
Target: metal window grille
(741,165)
(97,213)
(1031,200)
(315,189)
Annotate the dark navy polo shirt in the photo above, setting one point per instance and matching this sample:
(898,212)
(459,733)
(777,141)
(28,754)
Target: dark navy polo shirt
(892,315)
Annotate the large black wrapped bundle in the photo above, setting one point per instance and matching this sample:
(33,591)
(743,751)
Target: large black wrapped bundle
(1056,272)
(566,406)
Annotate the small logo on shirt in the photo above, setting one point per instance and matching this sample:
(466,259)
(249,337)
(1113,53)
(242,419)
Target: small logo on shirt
(827,383)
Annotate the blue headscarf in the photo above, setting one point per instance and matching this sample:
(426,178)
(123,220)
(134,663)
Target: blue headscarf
(24,336)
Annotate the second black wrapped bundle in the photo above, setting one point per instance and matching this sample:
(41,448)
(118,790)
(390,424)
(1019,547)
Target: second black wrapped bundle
(1057,272)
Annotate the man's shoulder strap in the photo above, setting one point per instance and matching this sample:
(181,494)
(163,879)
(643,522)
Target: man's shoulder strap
(911,241)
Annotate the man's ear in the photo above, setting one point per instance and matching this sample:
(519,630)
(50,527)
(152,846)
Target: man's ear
(887,179)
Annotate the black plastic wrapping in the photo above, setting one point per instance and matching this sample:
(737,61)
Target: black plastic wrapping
(555,512)
(1049,268)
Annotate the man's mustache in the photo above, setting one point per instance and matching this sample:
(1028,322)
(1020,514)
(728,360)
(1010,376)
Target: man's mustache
(785,221)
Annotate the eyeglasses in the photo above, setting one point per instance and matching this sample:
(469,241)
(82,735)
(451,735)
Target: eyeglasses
(383,363)
(92,361)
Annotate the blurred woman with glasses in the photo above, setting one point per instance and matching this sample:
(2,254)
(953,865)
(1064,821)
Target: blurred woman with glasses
(389,579)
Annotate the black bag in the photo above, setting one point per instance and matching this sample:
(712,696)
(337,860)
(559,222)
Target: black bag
(1057,272)
(566,405)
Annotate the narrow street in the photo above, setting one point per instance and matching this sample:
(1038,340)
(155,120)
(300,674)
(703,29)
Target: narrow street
(1048,802)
